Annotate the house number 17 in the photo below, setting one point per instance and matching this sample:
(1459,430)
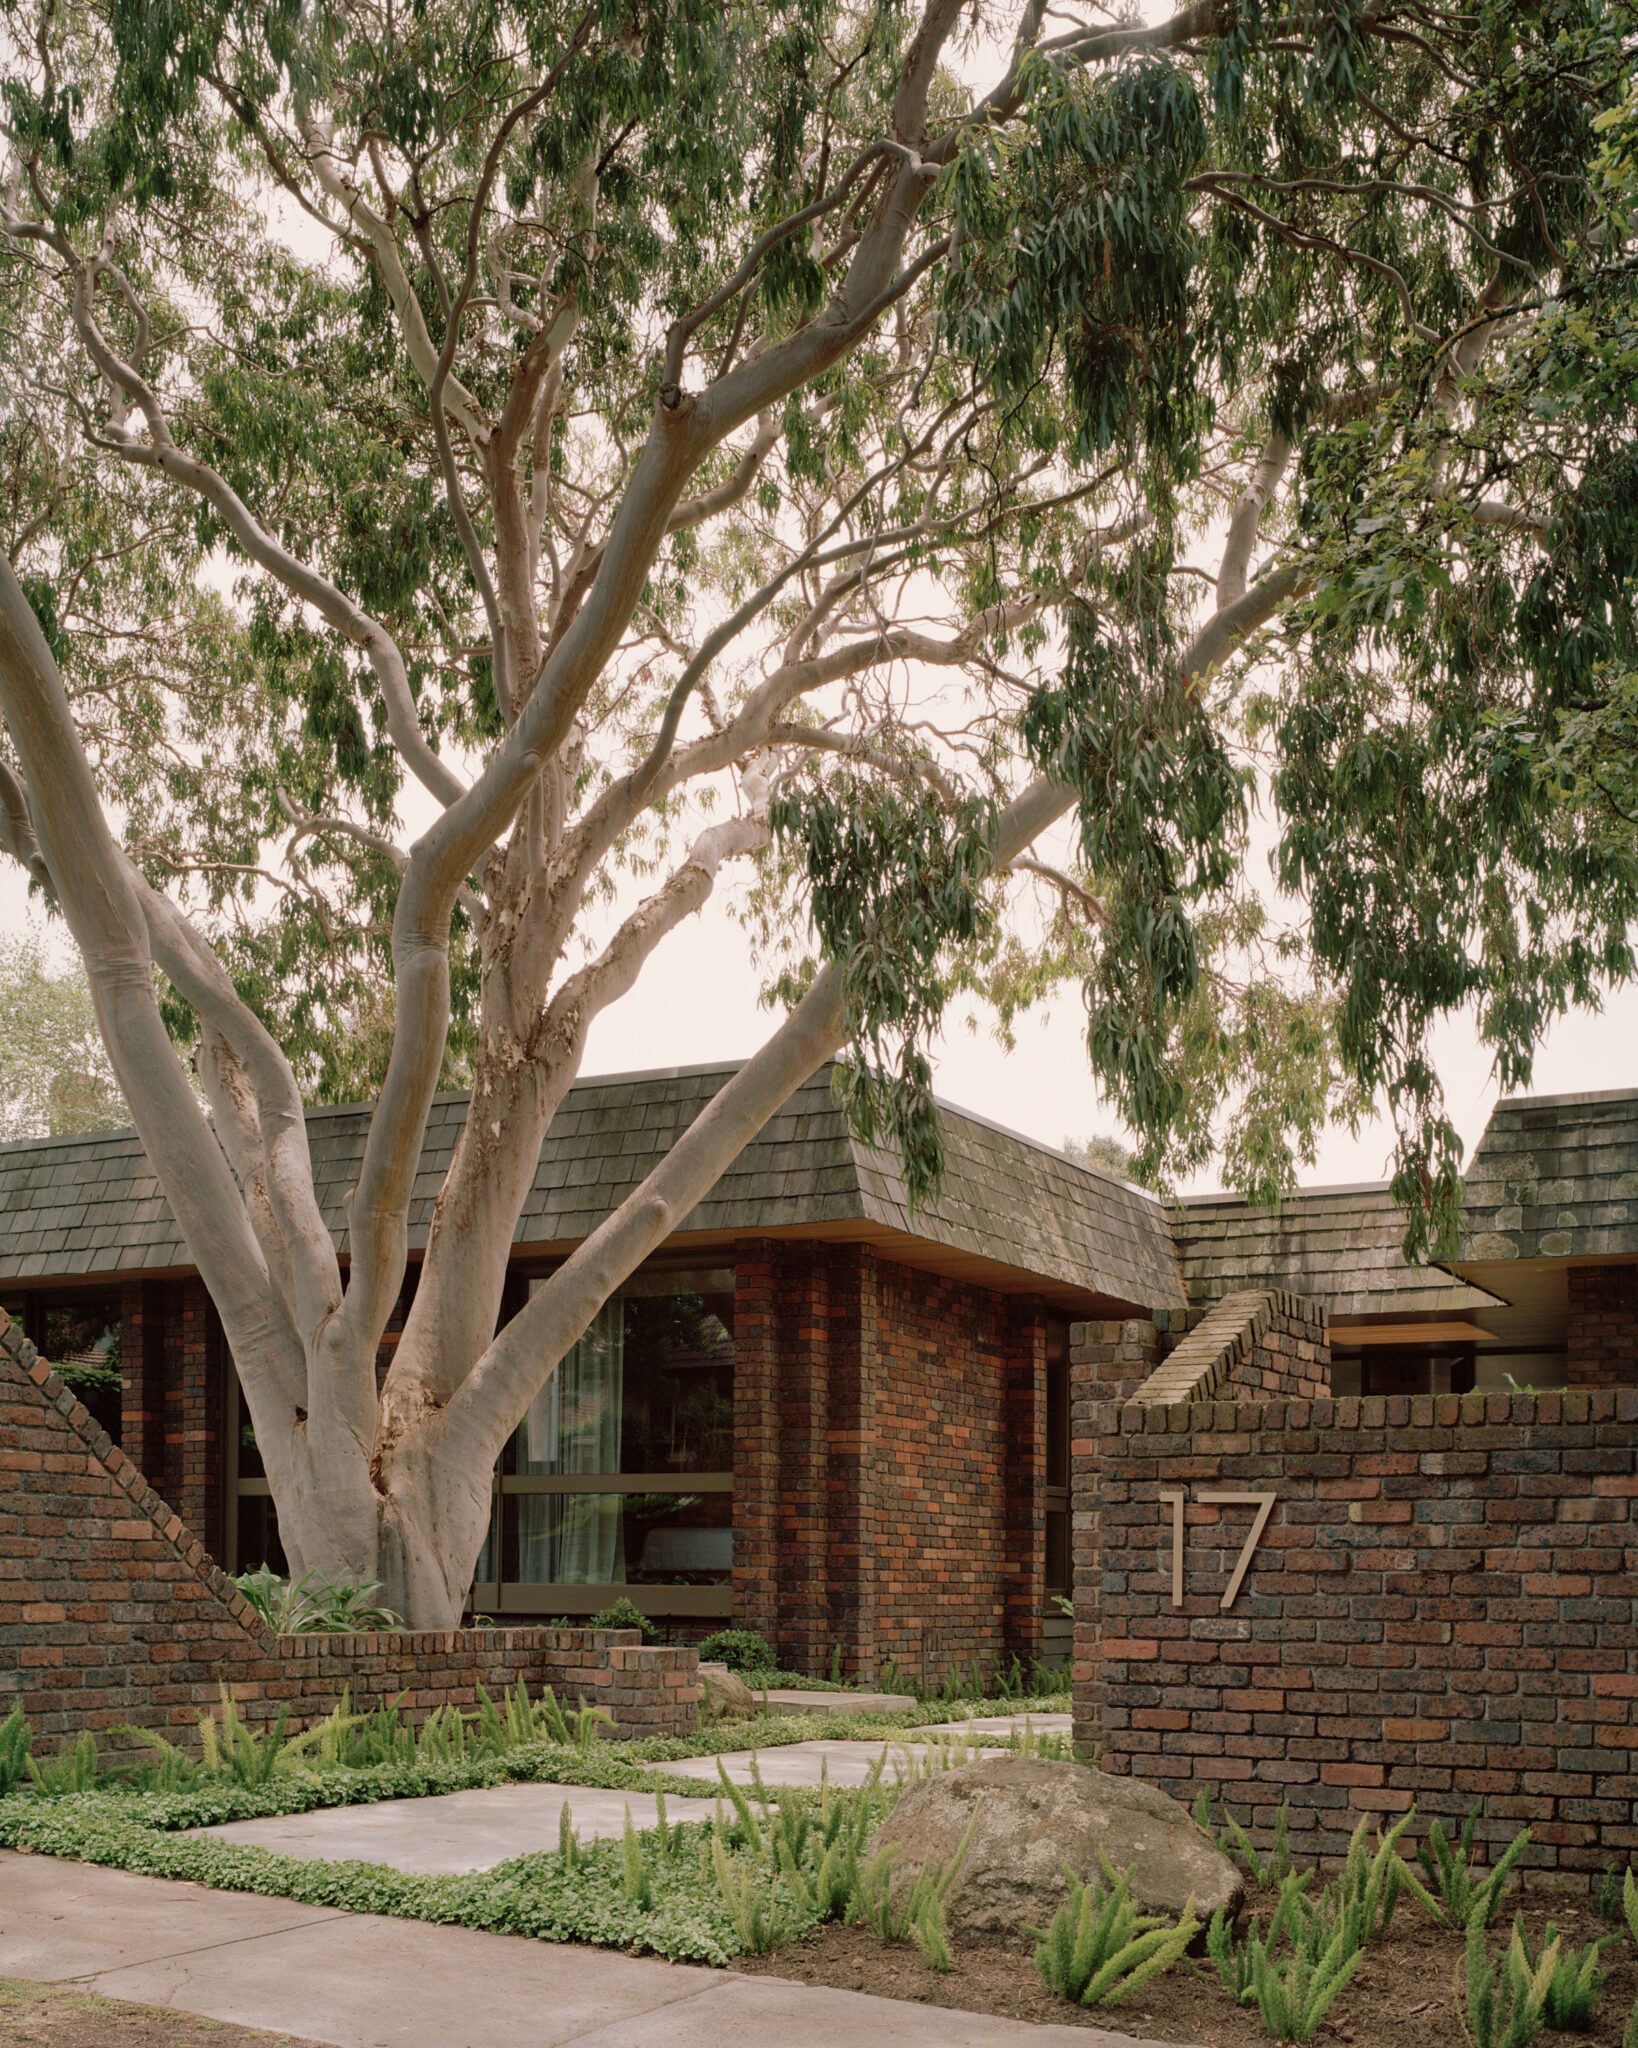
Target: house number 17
(1262,1502)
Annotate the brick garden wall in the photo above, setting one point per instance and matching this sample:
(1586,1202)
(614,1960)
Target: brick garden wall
(888,1496)
(111,1611)
(1442,1608)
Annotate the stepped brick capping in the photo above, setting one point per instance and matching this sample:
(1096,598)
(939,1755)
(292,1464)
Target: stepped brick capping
(111,1613)
(1258,1341)
(1443,1607)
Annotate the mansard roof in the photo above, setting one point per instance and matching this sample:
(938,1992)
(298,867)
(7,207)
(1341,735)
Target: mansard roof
(1555,1177)
(1340,1245)
(1012,1212)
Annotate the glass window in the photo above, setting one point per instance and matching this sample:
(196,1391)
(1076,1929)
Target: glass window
(621,1472)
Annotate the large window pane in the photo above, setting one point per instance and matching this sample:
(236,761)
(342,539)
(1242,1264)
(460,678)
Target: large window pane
(617,1539)
(646,1395)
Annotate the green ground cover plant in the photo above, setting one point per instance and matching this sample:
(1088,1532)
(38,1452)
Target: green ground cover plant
(770,1866)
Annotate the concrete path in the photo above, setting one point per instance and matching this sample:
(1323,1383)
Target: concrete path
(786,1699)
(1002,1724)
(811,1763)
(461,1831)
(359,1981)
(455,1831)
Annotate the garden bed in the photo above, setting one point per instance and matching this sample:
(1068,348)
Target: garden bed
(1402,1995)
(63,2016)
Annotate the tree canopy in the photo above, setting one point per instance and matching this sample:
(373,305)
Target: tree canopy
(476,479)
(55,1078)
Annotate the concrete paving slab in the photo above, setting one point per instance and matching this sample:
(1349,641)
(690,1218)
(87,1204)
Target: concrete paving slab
(792,1700)
(370,1982)
(787,2015)
(363,1981)
(808,1763)
(455,1831)
(60,1921)
(1003,1724)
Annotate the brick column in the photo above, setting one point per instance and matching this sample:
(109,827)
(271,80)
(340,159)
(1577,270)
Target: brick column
(802,1508)
(851,1469)
(1087,1394)
(1024,1567)
(756,1437)
(142,1377)
(1601,1328)
(195,1404)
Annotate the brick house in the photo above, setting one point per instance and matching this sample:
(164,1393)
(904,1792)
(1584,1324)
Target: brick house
(810,1413)
(813,1413)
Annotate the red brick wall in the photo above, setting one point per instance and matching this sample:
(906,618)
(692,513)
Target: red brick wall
(880,1417)
(1115,1357)
(112,1612)
(1024,1495)
(142,1373)
(1601,1330)
(1443,1606)
(851,1464)
(756,1436)
(195,1411)
(942,1443)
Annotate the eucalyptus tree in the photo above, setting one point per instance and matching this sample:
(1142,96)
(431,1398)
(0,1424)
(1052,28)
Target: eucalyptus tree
(648,440)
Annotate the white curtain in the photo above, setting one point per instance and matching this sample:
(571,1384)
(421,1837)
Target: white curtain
(573,1425)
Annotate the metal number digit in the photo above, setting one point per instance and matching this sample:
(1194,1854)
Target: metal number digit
(1175,1495)
(1264,1504)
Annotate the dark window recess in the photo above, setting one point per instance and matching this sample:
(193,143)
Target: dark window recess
(80,1335)
(1388,1369)
(621,1473)
(1057,1551)
(1057,1403)
(1055,1532)
(258,1536)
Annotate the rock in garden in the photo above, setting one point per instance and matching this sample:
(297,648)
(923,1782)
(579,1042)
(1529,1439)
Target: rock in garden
(727,1696)
(1034,1818)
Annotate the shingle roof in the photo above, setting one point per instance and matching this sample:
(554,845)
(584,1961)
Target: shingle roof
(78,1206)
(1555,1177)
(1338,1245)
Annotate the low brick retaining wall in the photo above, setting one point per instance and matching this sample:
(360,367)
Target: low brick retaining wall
(1442,1607)
(112,1613)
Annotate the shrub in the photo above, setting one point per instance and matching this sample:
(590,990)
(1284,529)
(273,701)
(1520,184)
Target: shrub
(315,1606)
(1452,1877)
(624,1614)
(1572,1994)
(1505,2007)
(16,1739)
(1100,1948)
(741,1649)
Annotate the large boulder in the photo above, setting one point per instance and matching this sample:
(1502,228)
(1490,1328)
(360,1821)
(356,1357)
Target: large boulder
(727,1696)
(1036,1817)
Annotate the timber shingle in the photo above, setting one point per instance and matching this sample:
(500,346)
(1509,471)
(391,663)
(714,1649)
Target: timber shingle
(1555,1176)
(1341,1246)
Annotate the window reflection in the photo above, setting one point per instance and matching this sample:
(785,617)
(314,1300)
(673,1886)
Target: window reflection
(646,1394)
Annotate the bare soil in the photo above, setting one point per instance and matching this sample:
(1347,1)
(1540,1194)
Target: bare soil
(1402,1995)
(59,2016)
